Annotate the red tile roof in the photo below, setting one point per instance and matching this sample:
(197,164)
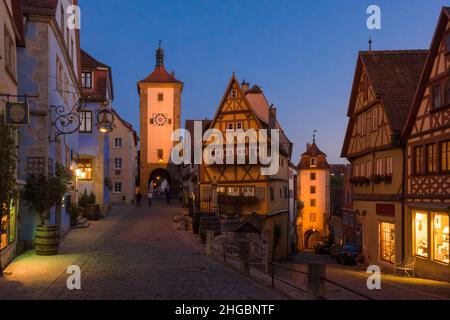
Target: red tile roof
(160,75)
(395,76)
(40,7)
(313,151)
(89,62)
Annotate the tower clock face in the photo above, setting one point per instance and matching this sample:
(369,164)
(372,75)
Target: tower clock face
(160,119)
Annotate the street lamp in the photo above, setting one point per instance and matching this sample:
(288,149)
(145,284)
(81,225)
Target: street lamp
(105,119)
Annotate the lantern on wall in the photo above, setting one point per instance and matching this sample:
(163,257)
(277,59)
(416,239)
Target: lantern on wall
(105,119)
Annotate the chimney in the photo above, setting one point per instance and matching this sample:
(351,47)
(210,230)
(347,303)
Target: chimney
(245,86)
(272,117)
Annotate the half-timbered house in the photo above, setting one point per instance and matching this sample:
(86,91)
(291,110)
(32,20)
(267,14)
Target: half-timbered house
(382,93)
(427,136)
(245,108)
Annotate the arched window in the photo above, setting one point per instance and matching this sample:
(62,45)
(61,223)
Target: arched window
(447,93)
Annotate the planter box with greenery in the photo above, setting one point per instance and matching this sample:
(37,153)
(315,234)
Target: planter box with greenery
(41,193)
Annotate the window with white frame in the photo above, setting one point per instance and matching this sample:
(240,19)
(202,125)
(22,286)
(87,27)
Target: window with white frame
(10,53)
(241,151)
(379,169)
(248,191)
(118,163)
(86,80)
(229,152)
(369,168)
(375,118)
(234,94)
(389,166)
(230,126)
(239,126)
(118,142)
(86,122)
(233,191)
(117,187)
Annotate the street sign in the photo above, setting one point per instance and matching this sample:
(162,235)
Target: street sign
(17,113)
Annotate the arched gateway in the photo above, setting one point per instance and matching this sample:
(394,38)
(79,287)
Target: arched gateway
(160,113)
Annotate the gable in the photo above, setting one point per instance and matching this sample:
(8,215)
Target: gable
(436,72)
(235,107)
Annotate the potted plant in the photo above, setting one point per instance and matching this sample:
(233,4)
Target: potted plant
(376,178)
(387,178)
(41,193)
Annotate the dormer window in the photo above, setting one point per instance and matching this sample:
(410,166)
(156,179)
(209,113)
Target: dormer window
(313,162)
(436,94)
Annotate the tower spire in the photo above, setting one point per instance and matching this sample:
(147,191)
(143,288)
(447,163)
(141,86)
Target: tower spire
(370,43)
(314,136)
(160,55)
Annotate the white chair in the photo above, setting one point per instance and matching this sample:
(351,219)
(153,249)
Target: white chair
(406,267)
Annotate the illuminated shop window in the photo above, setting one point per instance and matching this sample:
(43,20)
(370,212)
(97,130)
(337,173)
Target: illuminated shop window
(421,234)
(441,237)
(84,170)
(4,243)
(12,221)
(387,241)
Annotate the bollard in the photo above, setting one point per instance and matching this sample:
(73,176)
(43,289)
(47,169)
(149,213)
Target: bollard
(244,252)
(209,242)
(316,285)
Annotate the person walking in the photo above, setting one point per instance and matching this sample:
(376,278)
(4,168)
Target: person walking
(150,196)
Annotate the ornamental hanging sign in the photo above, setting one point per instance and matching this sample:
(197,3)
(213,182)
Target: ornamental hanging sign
(17,113)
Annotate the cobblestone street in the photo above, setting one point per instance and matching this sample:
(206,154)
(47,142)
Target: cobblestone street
(142,257)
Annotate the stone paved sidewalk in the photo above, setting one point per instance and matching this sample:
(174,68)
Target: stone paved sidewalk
(34,277)
(393,288)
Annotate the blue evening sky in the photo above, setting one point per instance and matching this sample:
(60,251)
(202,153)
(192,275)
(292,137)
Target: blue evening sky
(302,53)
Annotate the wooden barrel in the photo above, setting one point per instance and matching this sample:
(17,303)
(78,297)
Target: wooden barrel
(209,223)
(47,240)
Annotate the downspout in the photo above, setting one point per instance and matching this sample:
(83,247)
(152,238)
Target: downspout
(404,149)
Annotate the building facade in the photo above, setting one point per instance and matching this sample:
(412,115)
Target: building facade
(427,178)
(335,221)
(160,113)
(351,229)
(93,163)
(123,160)
(293,209)
(11,37)
(382,93)
(50,67)
(314,192)
(242,108)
